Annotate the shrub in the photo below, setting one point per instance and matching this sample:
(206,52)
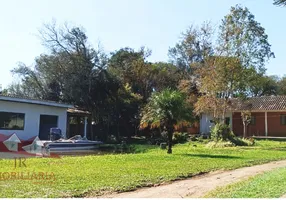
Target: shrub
(179,137)
(242,141)
(219,144)
(233,141)
(223,137)
(221,132)
(193,138)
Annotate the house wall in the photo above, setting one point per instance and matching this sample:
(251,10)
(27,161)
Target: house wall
(258,129)
(275,128)
(206,125)
(32,117)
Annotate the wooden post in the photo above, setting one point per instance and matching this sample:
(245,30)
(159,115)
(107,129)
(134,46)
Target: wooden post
(266,125)
(68,127)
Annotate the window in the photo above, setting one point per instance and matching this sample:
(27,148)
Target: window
(283,119)
(252,120)
(227,120)
(12,121)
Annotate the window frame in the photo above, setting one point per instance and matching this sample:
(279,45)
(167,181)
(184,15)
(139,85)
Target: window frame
(227,119)
(252,120)
(281,119)
(14,129)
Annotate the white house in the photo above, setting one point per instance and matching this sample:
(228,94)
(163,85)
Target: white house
(206,122)
(29,117)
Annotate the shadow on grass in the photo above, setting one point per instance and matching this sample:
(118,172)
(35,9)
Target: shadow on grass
(212,156)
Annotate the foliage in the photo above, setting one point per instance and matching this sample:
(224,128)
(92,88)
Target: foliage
(261,85)
(143,77)
(220,78)
(72,72)
(132,68)
(242,141)
(241,36)
(140,78)
(124,172)
(166,109)
(231,142)
(282,86)
(221,131)
(280,2)
(179,137)
(219,144)
(242,46)
(222,136)
(267,185)
(195,46)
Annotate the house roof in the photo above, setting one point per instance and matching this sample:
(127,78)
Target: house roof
(33,101)
(265,103)
(77,111)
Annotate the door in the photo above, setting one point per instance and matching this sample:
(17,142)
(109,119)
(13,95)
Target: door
(47,122)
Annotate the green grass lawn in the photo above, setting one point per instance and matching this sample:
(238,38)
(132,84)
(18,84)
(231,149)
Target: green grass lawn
(268,185)
(92,175)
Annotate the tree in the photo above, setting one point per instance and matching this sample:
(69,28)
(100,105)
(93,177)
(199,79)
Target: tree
(131,67)
(4,92)
(246,119)
(261,85)
(242,46)
(241,36)
(195,46)
(71,71)
(280,2)
(166,109)
(166,75)
(220,79)
(282,86)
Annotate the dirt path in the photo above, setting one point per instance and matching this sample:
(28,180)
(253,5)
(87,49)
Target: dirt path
(199,185)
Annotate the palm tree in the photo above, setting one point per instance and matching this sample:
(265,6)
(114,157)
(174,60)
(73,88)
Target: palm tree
(166,109)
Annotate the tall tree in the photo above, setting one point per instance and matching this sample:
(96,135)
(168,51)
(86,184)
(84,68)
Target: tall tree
(220,79)
(195,46)
(241,36)
(242,46)
(132,68)
(72,71)
(261,85)
(282,86)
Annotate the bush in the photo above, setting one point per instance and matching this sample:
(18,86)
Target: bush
(179,137)
(193,138)
(220,144)
(242,141)
(234,141)
(221,132)
(223,137)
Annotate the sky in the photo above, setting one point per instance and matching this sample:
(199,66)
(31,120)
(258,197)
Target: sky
(156,24)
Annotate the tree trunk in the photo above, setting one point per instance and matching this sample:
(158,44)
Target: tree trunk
(244,130)
(170,130)
(224,109)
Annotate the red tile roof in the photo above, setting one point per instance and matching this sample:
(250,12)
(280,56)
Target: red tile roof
(265,103)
